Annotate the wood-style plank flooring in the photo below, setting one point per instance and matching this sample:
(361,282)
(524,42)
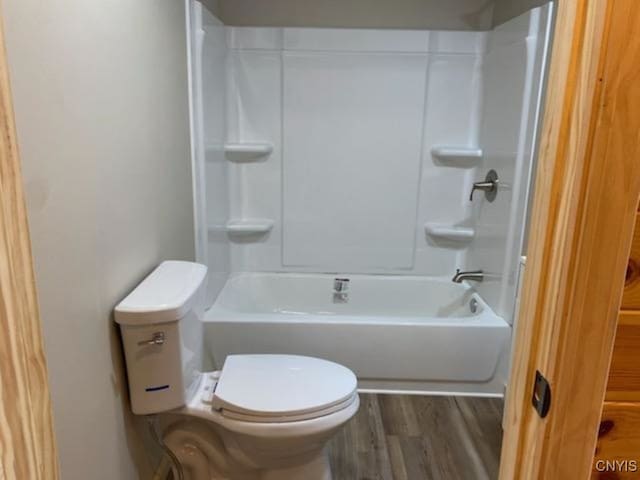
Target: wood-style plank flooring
(410,437)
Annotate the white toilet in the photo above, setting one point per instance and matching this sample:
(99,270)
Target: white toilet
(266,417)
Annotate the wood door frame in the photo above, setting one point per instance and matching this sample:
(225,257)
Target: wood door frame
(27,444)
(586,195)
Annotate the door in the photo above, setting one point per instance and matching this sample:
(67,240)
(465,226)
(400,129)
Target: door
(27,447)
(586,193)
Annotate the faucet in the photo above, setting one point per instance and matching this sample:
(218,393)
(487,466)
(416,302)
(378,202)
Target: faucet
(340,290)
(340,285)
(475,275)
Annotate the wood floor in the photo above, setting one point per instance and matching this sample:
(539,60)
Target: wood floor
(410,437)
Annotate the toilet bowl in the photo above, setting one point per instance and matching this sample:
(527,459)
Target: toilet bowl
(270,415)
(261,417)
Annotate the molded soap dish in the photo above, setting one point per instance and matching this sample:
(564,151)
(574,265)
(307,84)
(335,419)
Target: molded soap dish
(246,152)
(465,157)
(249,226)
(449,232)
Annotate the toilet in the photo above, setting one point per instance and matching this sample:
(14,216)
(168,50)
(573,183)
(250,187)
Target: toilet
(261,417)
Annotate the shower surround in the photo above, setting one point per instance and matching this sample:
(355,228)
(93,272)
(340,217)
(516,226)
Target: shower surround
(324,154)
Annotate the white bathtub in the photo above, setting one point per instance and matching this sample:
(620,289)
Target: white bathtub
(410,334)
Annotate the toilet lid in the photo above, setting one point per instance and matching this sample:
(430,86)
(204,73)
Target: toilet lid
(282,386)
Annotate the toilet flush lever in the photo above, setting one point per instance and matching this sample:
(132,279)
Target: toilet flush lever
(489,186)
(156,339)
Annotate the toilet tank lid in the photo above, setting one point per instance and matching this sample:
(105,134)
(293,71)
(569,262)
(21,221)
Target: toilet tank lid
(166,295)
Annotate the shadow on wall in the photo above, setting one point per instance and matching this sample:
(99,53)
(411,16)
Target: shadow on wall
(477,17)
(478,14)
(406,14)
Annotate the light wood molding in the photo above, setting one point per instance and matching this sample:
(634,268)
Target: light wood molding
(586,194)
(27,447)
(631,297)
(618,439)
(624,373)
(629,318)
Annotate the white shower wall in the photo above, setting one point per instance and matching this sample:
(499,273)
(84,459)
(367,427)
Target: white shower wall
(331,150)
(352,116)
(207,91)
(513,84)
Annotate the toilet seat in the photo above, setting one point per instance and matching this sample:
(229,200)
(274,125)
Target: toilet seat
(288,418)
(282,388)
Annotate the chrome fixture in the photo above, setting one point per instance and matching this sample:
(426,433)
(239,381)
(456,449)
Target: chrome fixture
(475,275)
(489,186)
(340,290)
(156,339)
(473,305)
(340,285)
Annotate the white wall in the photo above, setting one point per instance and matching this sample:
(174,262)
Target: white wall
(208,76)
(512,73)
(352,116)
(100,93)
(406,14)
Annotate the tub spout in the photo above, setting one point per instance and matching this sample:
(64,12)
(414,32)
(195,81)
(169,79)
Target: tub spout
(475,275)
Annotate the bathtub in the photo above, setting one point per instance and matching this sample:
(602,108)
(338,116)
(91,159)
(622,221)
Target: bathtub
(397,333)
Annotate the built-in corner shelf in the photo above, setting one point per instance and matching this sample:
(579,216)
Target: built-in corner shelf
(454,233)
(249,226)
(247,152)
(457,156)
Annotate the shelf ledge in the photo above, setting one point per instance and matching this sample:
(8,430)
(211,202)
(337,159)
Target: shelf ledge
(246,152)
(449,232)
(249,226)
(457,156)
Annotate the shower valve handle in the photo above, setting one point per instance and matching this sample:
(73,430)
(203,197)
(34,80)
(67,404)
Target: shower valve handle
(156,339)
(486,186)
(489,186)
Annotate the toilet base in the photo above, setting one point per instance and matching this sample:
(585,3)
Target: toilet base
(316,469)
(202,456)
(209,446)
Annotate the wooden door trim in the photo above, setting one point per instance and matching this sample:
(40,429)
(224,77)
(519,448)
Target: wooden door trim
(27,445)
(586,194)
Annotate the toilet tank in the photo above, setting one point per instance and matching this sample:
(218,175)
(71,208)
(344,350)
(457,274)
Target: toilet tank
(161,326)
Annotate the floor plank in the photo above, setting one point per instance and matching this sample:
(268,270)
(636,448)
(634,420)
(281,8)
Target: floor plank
(398,469)
(483,421)
(411,437)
